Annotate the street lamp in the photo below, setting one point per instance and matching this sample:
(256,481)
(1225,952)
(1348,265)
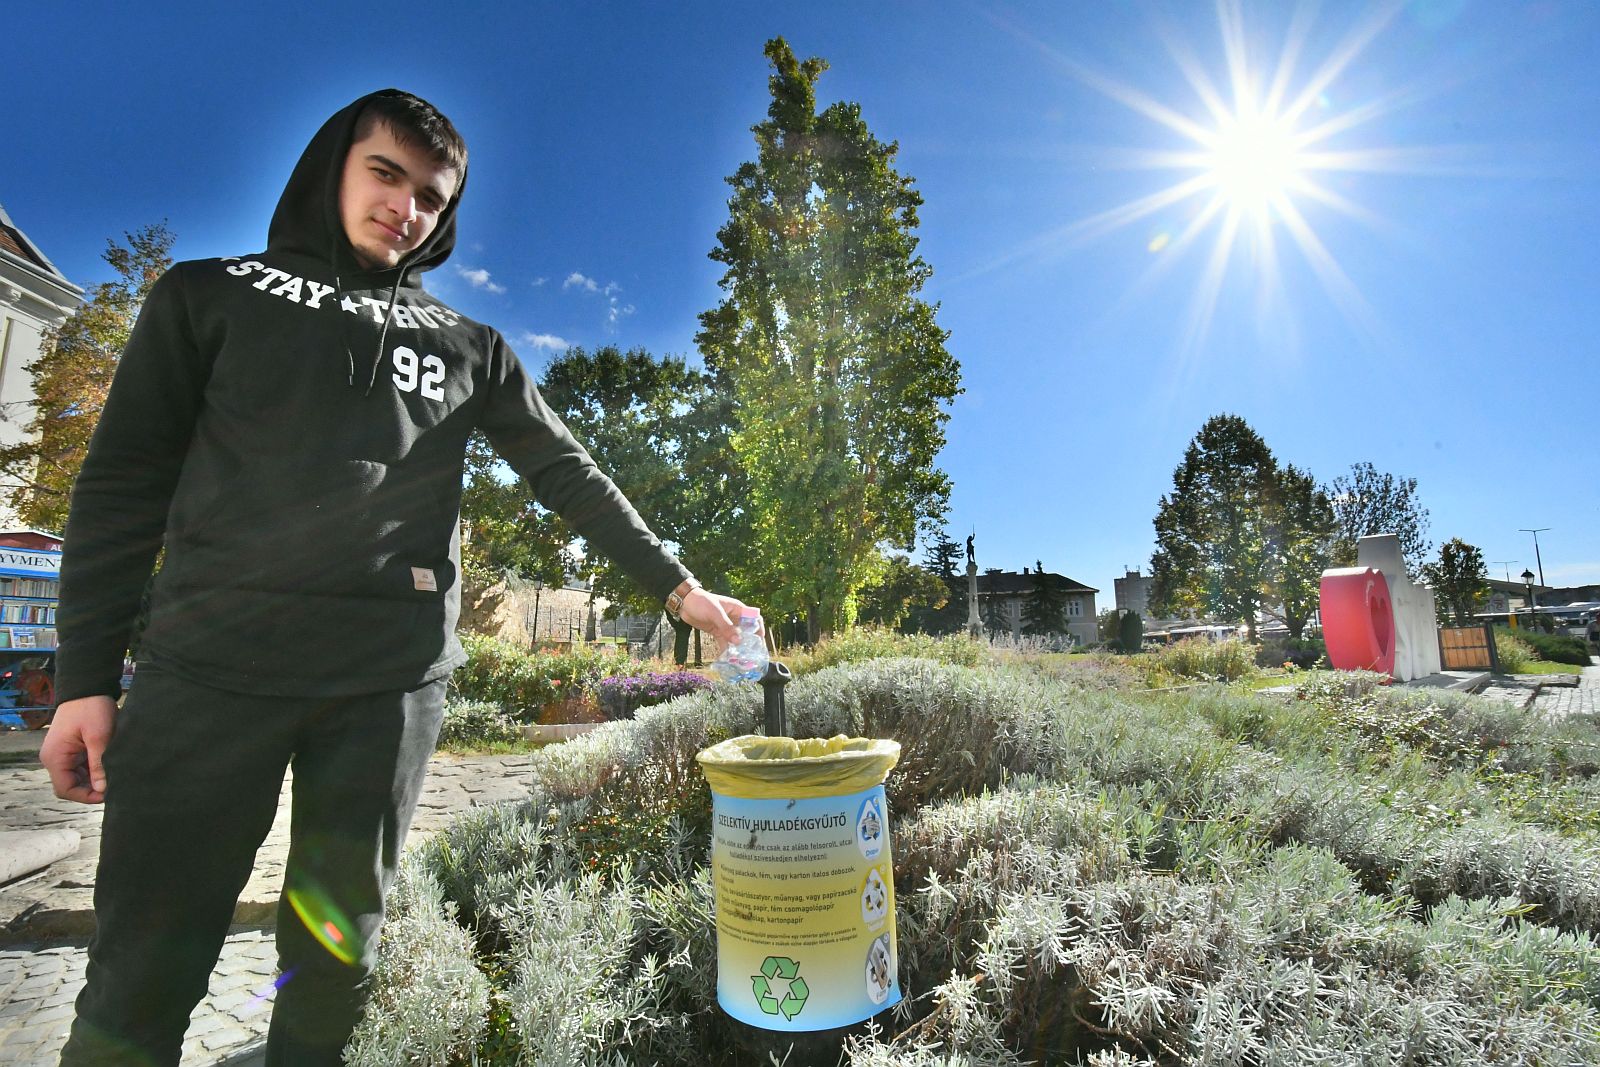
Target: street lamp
(1537,558)
(1527,579)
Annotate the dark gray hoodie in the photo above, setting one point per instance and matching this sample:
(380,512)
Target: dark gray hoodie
(292,429)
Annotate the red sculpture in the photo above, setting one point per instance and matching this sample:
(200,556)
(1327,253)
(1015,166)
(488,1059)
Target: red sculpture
(1358,620)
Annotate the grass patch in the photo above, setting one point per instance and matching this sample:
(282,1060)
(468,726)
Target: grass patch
(1542,666)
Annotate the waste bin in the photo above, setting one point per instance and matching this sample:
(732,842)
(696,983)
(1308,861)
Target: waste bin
(804,882)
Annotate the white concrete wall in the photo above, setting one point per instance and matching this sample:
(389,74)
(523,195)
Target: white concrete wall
(1416,628)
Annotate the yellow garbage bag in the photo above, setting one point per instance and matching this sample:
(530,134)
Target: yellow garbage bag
(757,767)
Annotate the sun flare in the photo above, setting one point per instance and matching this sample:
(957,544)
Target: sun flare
(1253,151)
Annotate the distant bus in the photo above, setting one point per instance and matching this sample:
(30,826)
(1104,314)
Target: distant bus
(1571,620)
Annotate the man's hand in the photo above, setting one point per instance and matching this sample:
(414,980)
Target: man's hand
(75,745)
(715,614)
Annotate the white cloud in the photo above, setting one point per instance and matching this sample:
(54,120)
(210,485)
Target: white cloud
(547,341)
(537,282)
(616,310)
(480,279)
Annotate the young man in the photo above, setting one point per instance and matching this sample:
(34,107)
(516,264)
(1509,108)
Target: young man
(291,428)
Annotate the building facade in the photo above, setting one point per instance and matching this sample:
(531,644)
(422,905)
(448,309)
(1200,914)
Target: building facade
(1004,594)
(1133,594)
(34,297)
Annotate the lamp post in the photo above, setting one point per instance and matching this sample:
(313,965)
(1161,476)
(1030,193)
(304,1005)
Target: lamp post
(1527,579)
(1539,560)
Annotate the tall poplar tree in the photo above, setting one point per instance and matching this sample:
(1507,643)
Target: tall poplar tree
(72,377)
(838,369)
(1213,557)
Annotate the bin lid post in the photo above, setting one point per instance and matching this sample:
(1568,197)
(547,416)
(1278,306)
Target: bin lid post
(772,684)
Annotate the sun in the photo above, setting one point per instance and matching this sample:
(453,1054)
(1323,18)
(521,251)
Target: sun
(1253,161)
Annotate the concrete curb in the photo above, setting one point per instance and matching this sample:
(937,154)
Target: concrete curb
(252,1055)
(24,851)
(41,922)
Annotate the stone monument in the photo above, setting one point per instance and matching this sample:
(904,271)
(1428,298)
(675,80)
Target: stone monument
(974,624)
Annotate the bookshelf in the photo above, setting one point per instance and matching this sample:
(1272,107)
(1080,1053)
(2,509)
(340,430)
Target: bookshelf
(30,584)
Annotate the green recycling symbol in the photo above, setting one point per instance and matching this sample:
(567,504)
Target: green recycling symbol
(794,1000)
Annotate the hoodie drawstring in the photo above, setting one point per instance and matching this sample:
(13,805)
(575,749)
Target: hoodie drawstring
(350,360)
(383,335)
(388,316)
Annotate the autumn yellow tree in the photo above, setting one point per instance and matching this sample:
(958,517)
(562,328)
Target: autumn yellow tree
(71,378)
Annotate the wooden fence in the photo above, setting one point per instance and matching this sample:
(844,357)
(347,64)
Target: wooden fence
(1468,648)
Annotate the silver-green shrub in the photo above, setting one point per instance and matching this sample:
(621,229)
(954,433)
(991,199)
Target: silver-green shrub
(430,999)
(1084,875)
(869,643)
(1196,657)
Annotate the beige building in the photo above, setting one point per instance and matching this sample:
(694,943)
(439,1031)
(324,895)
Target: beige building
(1006,593)
(1133,594)
(34,296)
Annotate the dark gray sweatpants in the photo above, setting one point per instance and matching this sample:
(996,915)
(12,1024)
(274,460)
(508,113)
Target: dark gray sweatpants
(192,782)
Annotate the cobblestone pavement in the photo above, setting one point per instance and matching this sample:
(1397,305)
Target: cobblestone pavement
(45,919)
(1582,699)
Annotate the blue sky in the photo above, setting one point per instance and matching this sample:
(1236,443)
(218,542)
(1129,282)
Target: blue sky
(1457,345)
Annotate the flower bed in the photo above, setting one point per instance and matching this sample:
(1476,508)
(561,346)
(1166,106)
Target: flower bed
(622,695)
(542,686)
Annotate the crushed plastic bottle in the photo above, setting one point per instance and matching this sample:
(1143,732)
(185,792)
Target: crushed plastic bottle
(746,659)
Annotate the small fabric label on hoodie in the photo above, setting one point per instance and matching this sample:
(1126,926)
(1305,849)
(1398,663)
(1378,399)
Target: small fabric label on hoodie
(422,578)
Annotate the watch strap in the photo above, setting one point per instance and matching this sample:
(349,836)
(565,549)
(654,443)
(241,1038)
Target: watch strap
(675,598)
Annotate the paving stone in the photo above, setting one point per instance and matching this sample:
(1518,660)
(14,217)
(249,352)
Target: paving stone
(19,1005)
(227,1037)
(237,1008)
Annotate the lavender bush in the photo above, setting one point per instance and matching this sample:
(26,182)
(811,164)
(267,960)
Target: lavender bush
(621,696)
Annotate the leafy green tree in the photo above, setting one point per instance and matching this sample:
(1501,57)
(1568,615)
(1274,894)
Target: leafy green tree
(1460,581)
(660,429)
(1045,609)
(1368,502)
(1300,534)
(838,369)
(996,621)
(1106,625)
(1212,555)
(898,592)
(72,376)
(504,529)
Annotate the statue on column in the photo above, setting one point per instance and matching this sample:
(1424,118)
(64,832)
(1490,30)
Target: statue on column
(974,623)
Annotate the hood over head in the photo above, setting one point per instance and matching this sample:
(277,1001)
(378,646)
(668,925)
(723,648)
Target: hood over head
(307,219)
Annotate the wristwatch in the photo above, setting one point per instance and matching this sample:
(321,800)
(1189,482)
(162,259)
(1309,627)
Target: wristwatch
(675,598)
